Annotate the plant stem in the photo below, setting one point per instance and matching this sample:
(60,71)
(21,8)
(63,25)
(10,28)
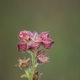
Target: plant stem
(33,55)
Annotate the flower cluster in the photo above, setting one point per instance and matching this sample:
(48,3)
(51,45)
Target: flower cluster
(33,43)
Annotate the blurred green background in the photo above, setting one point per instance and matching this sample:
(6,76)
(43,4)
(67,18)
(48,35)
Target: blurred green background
(60,17)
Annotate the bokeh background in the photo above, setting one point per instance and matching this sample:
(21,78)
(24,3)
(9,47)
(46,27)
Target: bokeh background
(60,17)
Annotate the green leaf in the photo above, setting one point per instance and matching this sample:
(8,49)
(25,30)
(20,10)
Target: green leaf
(24,76)
(36,65)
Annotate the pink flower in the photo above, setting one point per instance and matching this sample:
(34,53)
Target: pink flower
(47,43)
(22,46)
(44,35)
(41,58)
(25,35)
(33,41)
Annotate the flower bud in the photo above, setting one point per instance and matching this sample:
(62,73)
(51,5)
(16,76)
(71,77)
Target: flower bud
(23,64)
(36,76)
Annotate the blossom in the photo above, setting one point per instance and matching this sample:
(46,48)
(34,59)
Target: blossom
(44,35)
(22,46)
(25,35)
(41,58)
(32,41)
(23,64)
(46,41)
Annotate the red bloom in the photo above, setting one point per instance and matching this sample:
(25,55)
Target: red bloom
(22,46)
(41,58)
(25,35)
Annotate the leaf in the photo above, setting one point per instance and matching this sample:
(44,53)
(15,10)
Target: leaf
(36,65)
(24,76)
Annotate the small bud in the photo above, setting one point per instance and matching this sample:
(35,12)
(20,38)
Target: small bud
(36,76)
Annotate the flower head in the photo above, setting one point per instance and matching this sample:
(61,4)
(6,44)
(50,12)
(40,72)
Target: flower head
(25,35)
(46,41)
(22,46)
(33,41)
(44,35)
(41,58)
(23,64)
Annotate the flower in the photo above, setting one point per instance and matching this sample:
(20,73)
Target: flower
(25,35)
(46,41)
(44,35)
(41,58)
(23,64)
(22,46)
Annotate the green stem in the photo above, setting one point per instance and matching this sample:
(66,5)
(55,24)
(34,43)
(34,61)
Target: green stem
(33,55)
